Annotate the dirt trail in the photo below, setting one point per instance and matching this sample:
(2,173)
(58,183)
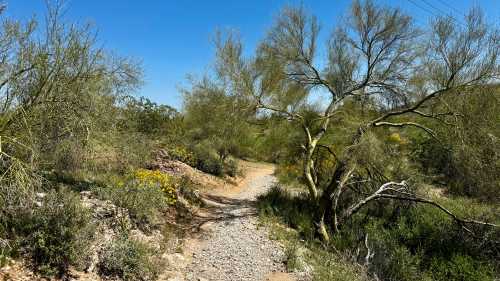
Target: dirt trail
(231,246)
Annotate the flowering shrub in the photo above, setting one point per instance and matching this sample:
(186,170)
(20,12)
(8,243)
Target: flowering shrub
(156,179)
(396,138)
(182,154)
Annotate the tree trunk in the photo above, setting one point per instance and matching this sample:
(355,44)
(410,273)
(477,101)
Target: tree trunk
(329,198)
(308,166)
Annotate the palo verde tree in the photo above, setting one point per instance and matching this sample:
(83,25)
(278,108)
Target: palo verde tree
(213,116)
(376,58)
(57,86)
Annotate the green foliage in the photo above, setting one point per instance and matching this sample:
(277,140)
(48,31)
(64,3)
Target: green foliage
(295,211)
(460,268)
(118,152)
(148,179)
(57,234)
(188,191)
(203,157)
(61,89)
(433,156)
(183,154)
(144,202)
(21,217)
(231,168)
(466,158)
(218,118)
(322,261)
(207,161)
(129,260)
(288,173)
(278,141)
(152,119)
(409,242)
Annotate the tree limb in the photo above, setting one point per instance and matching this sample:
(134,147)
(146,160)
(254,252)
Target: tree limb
(402,194)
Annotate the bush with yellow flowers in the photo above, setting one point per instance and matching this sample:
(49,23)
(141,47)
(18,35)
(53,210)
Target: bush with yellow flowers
(157,179)
(396,138)
(144,193)
(182,154)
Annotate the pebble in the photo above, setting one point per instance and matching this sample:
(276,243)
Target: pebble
(236,249)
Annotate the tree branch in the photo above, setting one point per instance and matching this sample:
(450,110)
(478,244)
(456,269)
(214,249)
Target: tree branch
(403,194)
(404,124)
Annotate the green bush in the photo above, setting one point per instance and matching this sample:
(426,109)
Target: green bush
(414,242)
(183,154)
(128,259)
(320,260)
(208,162)
(295,211)
(410,241)
(288,173)
(460,268)
(231,168)
(466,156)
(59,233)
(188,191)
(204,157)
(143,204)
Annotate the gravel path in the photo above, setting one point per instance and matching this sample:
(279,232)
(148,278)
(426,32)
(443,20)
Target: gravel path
(234,247)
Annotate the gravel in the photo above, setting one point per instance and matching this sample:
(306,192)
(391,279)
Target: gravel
(235,247)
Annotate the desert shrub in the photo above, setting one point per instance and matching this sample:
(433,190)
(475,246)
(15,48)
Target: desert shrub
(295,211)
(142,204)
(231,168)
(18,186)
(460,267)
(409,241)
(157,179)
(4,251)
(144,193)
(183,154)
(188,190)
(59,233)
(466,156)
(204,157)
(151,119)
(465,169)
(129,260)
(207,161)
(414,242)
(118,152)
(288,173)
(433,156)
(321,261)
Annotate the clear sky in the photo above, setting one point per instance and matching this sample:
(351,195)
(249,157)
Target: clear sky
(173,38)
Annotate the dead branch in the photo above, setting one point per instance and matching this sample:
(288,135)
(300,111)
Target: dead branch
(399,191)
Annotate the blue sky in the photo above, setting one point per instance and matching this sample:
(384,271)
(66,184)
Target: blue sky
(173,38)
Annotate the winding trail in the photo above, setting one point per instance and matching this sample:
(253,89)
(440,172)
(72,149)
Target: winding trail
(232,246)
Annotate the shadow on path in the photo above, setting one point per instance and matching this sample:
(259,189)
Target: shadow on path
(221,209)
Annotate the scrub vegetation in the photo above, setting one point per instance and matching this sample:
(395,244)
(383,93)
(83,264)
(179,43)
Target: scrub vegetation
(386,149)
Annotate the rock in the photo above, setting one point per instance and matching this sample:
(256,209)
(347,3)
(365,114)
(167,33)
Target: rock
(153,239)
(176,261)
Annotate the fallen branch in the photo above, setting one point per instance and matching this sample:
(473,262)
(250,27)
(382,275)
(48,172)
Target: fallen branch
(400,189)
